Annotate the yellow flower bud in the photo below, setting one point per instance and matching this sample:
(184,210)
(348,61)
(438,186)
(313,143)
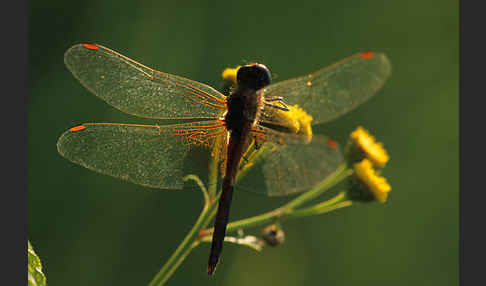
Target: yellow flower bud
(370,187)
(364,143)
(229,74)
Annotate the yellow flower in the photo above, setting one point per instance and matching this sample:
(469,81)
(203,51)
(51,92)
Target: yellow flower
(373,150)
(377,186)
(294,121)
(301,121)
(229,74)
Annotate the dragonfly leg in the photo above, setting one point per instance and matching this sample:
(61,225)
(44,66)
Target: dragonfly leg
(278,99)
(245,159)
(257,144)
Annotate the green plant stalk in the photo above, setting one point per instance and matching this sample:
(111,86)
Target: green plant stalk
(337,176)
(281,215)
(201,186)
(205,232)
(287,210)
(339,201)
(189,242)
(193,238)
(214,167)
(213,178)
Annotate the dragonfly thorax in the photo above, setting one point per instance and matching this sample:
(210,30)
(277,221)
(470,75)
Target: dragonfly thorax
(244,107)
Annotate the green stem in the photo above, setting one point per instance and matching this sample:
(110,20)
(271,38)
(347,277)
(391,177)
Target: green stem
(341,173)
(214,167)
(287,210)
(213,178)
(254,221)
(194,237)
(335,203)
(341,200)
(201,186)
(189,242)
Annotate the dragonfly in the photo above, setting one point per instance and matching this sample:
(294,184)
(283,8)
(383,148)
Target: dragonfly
(256,110)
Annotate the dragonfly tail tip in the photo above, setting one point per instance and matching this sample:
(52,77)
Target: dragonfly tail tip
(211,269)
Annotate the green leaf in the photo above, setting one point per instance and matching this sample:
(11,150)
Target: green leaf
(35,277)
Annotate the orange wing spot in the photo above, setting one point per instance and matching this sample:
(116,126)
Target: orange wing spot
(331,143)
(77,128)
(91,46)
(367,55)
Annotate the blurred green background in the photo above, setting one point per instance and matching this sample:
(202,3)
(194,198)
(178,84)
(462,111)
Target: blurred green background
(91,229)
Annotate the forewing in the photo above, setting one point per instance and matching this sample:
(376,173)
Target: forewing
(337,89)
(139,90)
(295,168)
(147,155)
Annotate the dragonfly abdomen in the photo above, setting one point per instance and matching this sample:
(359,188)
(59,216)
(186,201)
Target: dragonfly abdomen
(235,152)
(244,106)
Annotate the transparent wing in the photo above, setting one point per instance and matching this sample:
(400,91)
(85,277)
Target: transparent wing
(139,90)
(296,167)
(147,155)
(330,92)
(264,134)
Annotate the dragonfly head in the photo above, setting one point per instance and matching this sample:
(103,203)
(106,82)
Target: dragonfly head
(254,76)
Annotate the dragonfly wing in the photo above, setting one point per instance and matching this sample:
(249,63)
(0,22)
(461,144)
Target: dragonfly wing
(264,134)
(330,92)
(139,90)
(147,155)
(297,167)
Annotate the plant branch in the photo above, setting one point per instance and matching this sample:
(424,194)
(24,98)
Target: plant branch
(189,242)
(288,210)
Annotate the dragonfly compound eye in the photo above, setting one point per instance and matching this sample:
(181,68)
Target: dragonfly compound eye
(254,76)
